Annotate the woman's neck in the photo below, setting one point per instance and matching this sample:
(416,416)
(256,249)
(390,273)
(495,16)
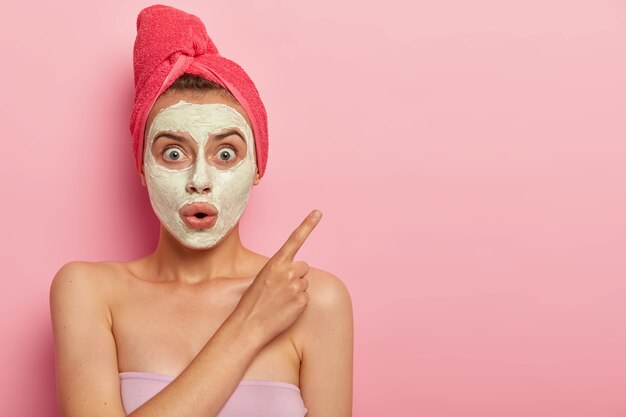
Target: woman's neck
(172,261)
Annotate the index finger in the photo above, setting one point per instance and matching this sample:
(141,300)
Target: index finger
(289,249)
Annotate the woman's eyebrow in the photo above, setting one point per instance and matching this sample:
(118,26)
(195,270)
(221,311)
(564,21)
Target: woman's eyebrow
(228,133)
(169,135)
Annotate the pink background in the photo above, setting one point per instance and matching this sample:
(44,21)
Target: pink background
(468,158)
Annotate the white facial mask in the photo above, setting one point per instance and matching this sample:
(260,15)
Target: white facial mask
(228,188)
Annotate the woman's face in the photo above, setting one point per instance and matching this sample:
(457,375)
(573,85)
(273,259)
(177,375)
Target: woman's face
(199,165)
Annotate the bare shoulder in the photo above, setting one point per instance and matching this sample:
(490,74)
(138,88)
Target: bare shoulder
(87,281)
(329,308)
(84,274)
(75,269)
(327,290)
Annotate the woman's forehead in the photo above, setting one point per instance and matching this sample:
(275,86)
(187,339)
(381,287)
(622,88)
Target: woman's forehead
(208,97)
(200,121)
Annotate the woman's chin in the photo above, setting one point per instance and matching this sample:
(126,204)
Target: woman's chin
(199,239)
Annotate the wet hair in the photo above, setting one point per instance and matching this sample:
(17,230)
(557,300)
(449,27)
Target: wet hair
(195,83)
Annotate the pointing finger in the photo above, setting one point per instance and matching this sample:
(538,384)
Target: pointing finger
(298,236)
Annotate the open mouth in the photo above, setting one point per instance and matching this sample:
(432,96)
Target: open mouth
(199,215)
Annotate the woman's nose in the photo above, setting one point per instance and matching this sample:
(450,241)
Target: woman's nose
(200,181)
(194,187)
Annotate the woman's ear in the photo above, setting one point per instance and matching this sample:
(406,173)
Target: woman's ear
(257,178)
(143,178)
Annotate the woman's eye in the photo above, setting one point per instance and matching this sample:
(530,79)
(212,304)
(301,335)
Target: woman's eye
(226,154)
(173,154)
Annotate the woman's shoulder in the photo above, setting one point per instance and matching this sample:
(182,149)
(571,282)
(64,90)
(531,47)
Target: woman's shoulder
(329,301)
(328,317)
(89,270)
(81,286)
(87,276)
(326,290)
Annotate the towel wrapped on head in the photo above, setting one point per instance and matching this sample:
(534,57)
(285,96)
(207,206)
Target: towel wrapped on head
(170,43)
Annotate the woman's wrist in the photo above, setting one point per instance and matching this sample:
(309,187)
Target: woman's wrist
(249,334)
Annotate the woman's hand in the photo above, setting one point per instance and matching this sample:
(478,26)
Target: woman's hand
(277,296)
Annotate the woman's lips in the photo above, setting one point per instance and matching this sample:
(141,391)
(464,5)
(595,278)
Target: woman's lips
(203,223)
(199,215)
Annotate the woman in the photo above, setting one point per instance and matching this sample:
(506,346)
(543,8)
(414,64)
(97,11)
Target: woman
(202,326)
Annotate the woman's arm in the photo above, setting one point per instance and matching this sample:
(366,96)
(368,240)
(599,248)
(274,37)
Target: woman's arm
(86,355)
(327,332)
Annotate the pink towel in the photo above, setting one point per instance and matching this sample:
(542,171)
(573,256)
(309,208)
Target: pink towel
(170,43)
(250,397)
